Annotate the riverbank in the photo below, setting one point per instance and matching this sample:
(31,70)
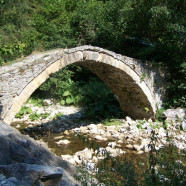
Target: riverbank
(84,142)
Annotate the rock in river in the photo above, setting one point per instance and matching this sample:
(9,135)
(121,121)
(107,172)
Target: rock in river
(100,138)
(63,142)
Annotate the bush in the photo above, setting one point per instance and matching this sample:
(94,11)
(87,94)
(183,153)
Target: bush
(163,167)
(74,85)
(128,27)
(159,113)
(24,110)
(35,116)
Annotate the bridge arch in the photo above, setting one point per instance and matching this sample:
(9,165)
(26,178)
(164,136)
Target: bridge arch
(129,79)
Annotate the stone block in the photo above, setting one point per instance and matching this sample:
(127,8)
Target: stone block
(54,67)
(78,56)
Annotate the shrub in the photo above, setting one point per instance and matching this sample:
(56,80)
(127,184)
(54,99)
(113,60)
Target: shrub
(24,110)
(163,167)
(35,116)
(74,85)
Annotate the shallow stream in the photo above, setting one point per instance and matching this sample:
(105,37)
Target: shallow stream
(78,143)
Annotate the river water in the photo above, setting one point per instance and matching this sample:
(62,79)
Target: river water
(78,143)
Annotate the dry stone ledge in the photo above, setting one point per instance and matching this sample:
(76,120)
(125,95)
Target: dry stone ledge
(138,86)
(20,150)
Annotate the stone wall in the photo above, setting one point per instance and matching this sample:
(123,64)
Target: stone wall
(137,85)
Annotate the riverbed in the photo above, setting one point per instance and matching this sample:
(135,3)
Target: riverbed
(79,141)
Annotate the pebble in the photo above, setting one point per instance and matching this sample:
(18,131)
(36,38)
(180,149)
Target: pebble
(30,126)
(66,132)
(66,157)
(92,126)
(138,147)
(77,130)
(120,141)
(115,135)
(112,145)
(85,154)
(58,137)
(64,142)
(129,146)
(140,152)
(100,138)
(122,130)
(18,126)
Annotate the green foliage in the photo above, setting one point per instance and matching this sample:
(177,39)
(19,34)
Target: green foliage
(60,85)
(17,35)
(36,101)
(139,126)
(32,115)
(141,122)
(99,100)
(163,168)
(143,76)
(52,23)
(113,171)
(156,126)
(177,89)
(24,110)
(15,49)
(69,98)
(77,86)
(148,30)
(111,122)
(84,177)
(35,116)
(146,109)
(159,113)
(58,115)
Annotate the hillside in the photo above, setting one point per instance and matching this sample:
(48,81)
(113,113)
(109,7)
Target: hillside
(148,30)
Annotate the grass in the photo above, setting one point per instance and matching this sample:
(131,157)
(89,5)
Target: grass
(36,102)
(35,116)
(112,122)
(58,115)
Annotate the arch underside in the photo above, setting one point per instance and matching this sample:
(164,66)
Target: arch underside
(132,99)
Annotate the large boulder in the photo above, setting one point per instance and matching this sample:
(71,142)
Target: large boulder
(31,174)
(174,114)
(17,148)
(177,116)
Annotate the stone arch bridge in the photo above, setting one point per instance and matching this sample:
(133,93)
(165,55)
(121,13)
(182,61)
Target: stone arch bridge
(136,84)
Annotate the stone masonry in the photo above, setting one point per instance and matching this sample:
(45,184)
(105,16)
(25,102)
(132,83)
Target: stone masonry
(137,85)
